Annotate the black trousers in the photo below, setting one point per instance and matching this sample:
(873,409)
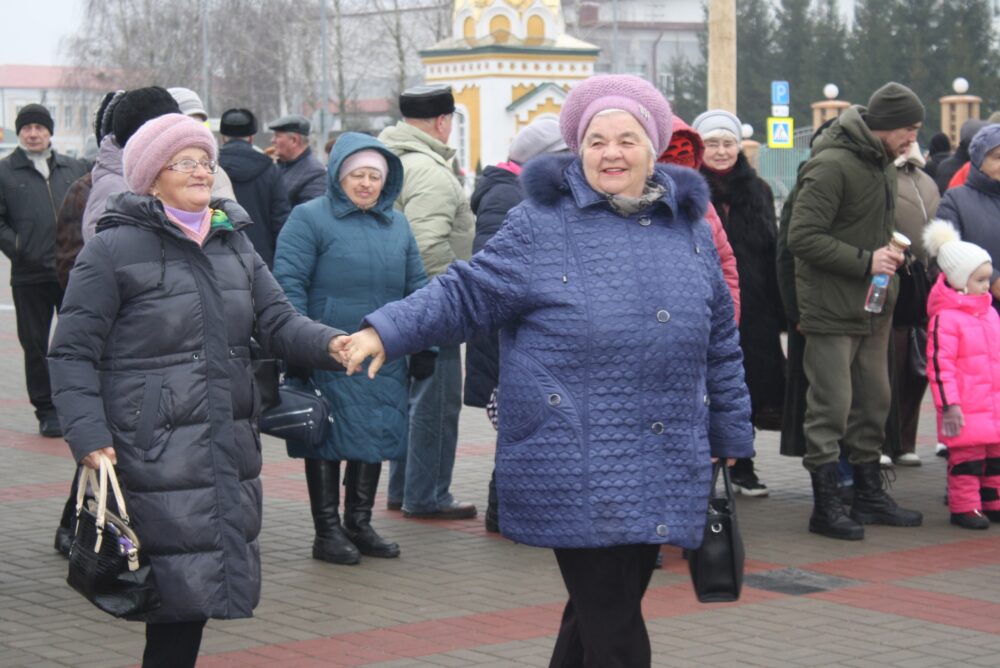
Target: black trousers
(602,625)
(173,645)
(35,305)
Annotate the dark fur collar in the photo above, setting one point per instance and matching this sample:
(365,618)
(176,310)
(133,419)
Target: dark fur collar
(545,180)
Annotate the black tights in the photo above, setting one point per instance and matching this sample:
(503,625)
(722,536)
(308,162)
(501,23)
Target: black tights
(173,645)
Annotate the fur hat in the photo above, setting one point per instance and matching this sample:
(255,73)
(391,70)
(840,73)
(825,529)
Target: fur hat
(985,141)
(958,259)
(893,106)
(138,106)
(616,91)
(33,113)
(158,140)
(537,137)
(238,122)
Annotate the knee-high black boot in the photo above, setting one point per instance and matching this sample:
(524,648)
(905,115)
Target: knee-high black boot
(493,506)
(331,544)
(361,483)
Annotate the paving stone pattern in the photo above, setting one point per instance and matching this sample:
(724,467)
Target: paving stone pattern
(461,597)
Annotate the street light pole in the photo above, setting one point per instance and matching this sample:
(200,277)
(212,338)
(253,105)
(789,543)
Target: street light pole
(325,83)
(722,55)
(204,55)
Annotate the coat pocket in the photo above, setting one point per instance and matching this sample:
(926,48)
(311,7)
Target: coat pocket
(528,397)
(149,411)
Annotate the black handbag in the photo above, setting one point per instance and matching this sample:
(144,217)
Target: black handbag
(301,416)
(105,562)
(717,566)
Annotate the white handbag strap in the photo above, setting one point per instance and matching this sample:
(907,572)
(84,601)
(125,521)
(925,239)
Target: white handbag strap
(99,483)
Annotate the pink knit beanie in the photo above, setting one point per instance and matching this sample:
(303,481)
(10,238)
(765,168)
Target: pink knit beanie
(364,158)
(151,147)
(616,91)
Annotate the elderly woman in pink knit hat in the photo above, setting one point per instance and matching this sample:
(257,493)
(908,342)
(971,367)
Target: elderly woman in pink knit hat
(621,374)
(150,367)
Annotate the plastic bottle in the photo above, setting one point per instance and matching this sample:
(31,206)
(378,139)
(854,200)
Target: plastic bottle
(879,288)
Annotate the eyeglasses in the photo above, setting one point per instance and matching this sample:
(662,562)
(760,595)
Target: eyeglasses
(187,166)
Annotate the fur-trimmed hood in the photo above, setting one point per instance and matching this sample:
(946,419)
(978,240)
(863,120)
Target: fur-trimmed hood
(549,178)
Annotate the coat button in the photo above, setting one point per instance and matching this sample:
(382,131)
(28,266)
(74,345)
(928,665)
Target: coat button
(708,402)
(554,399)
(196,356)
(644,221)
(232,352)
(661,530)
(697,250)
(168,426)
(656,427)
(663,315)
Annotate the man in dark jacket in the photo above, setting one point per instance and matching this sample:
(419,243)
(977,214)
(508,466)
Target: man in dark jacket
(256,181)
(33,181)
(839,232)
(960,157)
(302,172)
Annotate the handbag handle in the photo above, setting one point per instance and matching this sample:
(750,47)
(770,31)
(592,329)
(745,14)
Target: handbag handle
(727,483)
(100,487)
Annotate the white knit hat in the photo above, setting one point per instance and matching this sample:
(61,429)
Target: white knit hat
(958,259)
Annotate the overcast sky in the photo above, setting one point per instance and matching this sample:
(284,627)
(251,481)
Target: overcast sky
(33,29)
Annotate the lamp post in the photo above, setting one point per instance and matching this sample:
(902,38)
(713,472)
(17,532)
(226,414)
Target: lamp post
(829,108)
(957,109)
(722,55)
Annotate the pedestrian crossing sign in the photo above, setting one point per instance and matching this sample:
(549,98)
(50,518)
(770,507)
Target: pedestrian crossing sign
(780,132)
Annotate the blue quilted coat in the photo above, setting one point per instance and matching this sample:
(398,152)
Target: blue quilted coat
(620,367)
(336,263)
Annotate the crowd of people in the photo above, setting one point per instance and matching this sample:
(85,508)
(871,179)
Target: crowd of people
(632,307)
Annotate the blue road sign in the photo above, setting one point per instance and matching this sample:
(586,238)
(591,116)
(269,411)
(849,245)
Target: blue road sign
(780,92)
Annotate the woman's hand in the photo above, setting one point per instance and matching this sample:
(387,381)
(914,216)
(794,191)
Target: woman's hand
(93,460)
(361,346)
(729,462)
(336,348)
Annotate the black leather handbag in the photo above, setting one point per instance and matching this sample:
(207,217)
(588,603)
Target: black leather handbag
(104,560)
(717,566)
(301,416)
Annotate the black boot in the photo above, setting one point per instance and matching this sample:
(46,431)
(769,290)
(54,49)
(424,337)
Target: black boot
(331,544)
(873,506)
(492,507)
(828,516)
(361,482)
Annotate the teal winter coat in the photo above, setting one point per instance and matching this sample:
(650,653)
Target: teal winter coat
(337,264)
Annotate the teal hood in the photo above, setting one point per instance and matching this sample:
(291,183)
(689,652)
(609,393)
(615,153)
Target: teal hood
(352,142)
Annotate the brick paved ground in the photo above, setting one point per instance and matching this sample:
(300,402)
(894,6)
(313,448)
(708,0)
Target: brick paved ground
(459,597)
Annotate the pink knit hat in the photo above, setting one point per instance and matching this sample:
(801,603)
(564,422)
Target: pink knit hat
(364,158)
(151,147)
(616,91)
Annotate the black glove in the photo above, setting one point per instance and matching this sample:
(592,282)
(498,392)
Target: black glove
(422,364)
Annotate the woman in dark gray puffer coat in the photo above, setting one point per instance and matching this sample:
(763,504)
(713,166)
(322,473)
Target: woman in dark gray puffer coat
(150,365)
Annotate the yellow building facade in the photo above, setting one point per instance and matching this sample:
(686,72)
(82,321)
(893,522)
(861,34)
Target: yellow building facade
(508,63)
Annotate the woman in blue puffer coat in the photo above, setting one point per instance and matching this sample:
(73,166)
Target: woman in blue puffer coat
(338,258)
(621,374)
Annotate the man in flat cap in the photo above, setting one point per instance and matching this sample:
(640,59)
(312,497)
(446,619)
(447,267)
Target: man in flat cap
(256,179)
(33,181)
(442,222)
(839,232)
(302,172)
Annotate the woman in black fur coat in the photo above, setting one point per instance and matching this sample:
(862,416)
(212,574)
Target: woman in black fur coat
(745,203)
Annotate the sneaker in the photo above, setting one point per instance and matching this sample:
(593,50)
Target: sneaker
(974,519)
(885,461)
(941,450)
(749,485)
(908,459)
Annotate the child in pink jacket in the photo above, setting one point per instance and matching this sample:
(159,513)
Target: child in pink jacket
(963,368)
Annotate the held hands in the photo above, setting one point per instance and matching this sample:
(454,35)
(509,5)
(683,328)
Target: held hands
(336,348)
(359,347)
(93,460)
(952,421)
(886,260)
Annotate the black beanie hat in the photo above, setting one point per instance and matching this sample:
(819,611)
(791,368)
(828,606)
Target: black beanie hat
(109,114)
(237,123)
(138,106)
(893,106)
(99,116)
(33,113)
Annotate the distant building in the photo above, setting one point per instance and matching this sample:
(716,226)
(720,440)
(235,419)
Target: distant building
(70,94)
(641,37)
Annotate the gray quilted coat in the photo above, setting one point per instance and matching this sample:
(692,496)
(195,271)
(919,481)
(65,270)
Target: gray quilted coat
(151,355)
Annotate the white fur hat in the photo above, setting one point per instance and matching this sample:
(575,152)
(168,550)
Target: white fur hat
(957,258)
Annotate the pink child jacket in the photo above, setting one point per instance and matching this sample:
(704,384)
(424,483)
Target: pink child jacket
(963,362)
